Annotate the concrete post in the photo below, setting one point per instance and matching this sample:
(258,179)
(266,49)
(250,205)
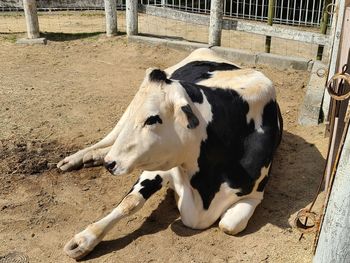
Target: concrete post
(111,17)
(31,15)
(215,25)
(131,17)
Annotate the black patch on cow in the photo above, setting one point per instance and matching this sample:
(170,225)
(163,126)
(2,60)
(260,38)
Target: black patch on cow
(150,186)
(193,121)
(153,120)
(234,152)
(196,71)
(262,184)
(158,75)
(193,91)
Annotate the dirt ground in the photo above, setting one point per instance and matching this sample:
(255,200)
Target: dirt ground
(58,98)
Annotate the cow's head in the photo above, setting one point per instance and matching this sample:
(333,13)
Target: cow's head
(158,129)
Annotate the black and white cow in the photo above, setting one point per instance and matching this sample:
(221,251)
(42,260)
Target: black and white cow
(206,127)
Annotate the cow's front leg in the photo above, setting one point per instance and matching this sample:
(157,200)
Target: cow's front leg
(95,157)
(84,242)
(76,160)
(236,218)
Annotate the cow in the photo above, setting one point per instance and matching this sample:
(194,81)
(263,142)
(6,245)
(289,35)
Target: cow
(206,128)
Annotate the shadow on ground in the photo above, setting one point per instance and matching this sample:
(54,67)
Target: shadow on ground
(293,183)
(61,37)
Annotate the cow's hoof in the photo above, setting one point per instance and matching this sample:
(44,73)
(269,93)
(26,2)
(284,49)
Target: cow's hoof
(77,248)
(93,158)
(72,162)
(231,229)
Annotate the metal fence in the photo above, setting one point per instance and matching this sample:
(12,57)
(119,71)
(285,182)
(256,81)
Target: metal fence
(289,12)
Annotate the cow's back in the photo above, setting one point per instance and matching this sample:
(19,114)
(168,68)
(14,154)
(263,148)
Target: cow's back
(244,130)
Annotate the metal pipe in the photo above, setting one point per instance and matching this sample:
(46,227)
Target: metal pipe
(270,16)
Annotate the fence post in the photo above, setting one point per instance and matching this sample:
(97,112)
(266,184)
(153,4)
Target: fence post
(31,15)
(131,17)
(111,17)
(323,27)
(215,25)
(270,15)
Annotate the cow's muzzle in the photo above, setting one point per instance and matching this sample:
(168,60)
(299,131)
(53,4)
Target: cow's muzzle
(110,166)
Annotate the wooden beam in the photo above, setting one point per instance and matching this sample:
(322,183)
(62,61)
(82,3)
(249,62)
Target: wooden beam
(230,24)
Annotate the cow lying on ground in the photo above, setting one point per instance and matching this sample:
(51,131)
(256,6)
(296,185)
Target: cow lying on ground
(206,127)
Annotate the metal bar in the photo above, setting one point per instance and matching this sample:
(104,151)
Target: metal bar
(288,4)
(294,8)
(239,25)
(262,10)
(281,13)
(231,6)
(307,11)
(237,8)
(270,16)
(323,28)
(250,8)
(300,11)
(243,8)
(312,13)
(319,12)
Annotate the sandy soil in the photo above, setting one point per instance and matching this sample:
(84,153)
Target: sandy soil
(58,98)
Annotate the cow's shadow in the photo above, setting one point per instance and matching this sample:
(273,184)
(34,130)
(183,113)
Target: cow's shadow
(295,175)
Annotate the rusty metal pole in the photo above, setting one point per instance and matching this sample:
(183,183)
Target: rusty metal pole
(270,16)
(323,27)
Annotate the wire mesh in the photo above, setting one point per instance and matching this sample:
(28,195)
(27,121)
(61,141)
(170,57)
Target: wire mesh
(289,12)
(87,17)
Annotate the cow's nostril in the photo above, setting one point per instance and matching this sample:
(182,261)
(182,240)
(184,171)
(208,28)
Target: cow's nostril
(110,165)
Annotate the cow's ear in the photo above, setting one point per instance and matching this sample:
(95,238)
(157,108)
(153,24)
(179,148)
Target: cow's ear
(192,119)
(182,109)
(157,75)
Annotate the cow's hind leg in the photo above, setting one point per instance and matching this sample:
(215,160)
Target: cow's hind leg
(236,218)
(84,242)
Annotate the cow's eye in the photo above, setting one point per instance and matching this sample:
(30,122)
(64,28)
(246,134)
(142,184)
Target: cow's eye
(153,120)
